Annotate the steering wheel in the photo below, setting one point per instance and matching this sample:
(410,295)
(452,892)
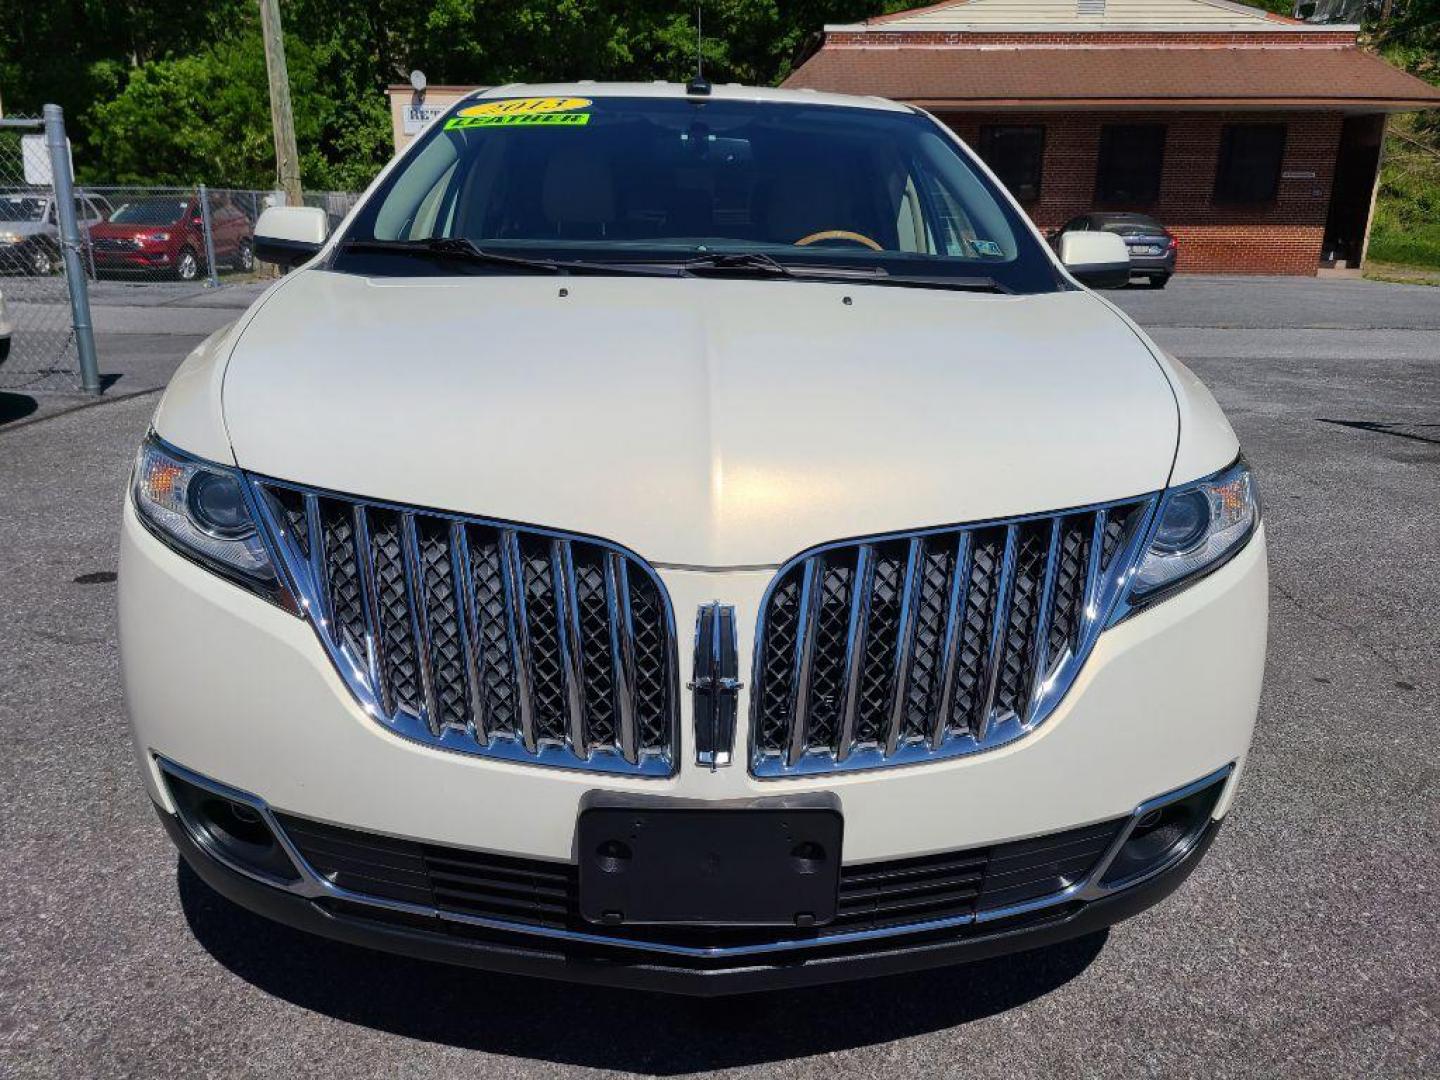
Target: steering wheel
(838,234)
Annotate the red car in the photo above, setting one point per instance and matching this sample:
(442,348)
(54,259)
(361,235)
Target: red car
(166,237)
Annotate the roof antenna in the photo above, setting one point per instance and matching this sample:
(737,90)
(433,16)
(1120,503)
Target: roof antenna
(699,84)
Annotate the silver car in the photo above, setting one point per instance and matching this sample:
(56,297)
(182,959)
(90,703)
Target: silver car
(29,233)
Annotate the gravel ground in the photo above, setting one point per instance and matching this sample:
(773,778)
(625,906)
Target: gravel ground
(1306,944)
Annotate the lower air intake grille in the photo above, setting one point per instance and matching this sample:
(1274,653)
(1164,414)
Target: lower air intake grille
(531,892)
(923,645)
(485,638)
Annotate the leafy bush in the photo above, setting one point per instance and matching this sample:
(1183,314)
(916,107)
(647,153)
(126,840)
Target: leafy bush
(1406,228)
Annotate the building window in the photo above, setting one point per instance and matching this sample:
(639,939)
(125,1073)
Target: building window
(1017,153)
(1130,159)
(1250,157)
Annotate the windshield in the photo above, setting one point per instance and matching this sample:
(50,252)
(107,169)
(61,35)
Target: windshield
(21,208)
(150,212)
(666,180)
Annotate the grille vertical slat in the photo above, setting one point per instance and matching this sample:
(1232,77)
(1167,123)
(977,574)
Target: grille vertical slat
(953,640)
(1022,619)
(863,582)
(1097,559)
(622,651)
(1071,572)
(567,636)
(800,680)
(483,637)
(375,662)
(994,655)
(316,548)
(462,571)
(904,644)
(519,633)
(950,651)
(419,620)
(1040,642)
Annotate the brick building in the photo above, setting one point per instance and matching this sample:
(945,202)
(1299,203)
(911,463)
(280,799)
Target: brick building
(1255,138)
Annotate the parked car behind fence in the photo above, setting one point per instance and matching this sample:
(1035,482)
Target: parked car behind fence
(145,234)
(164,236)
(30,233)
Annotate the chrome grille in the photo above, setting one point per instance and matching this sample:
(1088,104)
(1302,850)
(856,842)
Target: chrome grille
(911,647)
(483,637)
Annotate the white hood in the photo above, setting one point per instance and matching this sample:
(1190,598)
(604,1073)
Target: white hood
(699,422)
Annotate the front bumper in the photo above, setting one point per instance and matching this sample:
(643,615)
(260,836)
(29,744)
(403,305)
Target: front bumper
(451,942)
(136,261)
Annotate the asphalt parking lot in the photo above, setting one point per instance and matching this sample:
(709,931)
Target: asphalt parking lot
(1307,944)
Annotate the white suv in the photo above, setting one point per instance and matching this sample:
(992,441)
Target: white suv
(688,538)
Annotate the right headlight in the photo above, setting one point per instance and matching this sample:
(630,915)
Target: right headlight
(1198,527)
(203,511)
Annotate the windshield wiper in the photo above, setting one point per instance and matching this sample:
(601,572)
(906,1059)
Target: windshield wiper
(957,284)
(456,248)
(757,263)
(752,263)
(461,249)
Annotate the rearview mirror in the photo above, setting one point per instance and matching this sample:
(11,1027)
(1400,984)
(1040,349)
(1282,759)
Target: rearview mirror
(290,235)
(1097,259)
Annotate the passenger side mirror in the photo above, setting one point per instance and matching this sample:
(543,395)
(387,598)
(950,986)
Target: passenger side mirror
(290,235)
(1097,259)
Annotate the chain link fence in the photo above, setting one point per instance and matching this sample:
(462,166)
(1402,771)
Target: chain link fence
(190,238)
(37,337)
(145,235)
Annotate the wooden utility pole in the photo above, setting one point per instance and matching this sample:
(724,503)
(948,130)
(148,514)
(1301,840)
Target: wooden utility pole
(287,158)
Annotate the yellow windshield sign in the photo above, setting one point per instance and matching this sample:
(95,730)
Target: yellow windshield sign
(531,106)
(522,112)
(561,119)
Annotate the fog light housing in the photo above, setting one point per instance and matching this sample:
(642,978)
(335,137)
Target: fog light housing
(228,825)
(1164,832)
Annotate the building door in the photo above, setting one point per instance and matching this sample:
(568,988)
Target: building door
(1348,222)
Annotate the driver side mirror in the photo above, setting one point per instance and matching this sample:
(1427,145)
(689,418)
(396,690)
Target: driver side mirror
(290,235)
(1097,259)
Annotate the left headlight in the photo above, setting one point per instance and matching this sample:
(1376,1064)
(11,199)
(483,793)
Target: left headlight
(204,512)
(1198,527)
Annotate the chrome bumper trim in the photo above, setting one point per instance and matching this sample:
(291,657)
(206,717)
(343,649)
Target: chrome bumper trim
(314,886)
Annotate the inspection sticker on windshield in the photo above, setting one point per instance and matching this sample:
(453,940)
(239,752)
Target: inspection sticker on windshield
(523,112)
(987,247)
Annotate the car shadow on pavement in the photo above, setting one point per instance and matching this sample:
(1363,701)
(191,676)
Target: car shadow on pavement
(16,406)
(606,1028)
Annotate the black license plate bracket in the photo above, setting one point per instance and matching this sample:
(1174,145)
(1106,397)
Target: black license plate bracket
(664,865)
